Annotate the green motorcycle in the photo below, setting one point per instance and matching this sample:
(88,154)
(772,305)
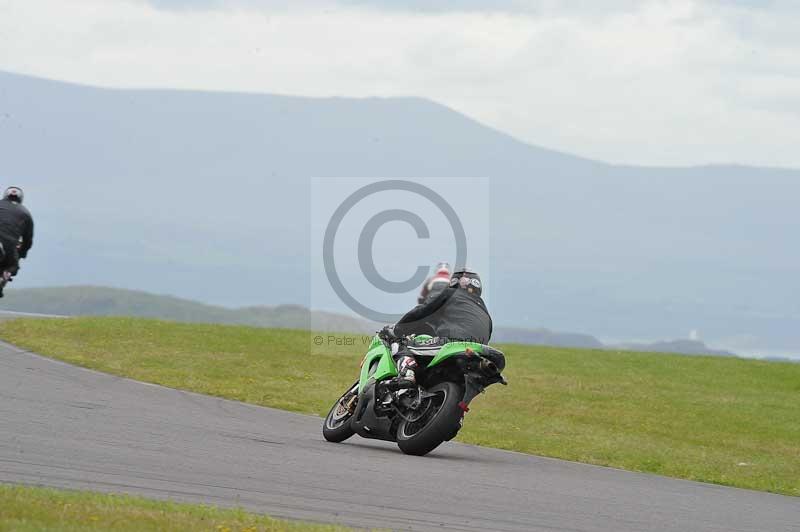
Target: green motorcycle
(421,418)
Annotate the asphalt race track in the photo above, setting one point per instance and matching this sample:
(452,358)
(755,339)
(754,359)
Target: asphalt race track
(65,426)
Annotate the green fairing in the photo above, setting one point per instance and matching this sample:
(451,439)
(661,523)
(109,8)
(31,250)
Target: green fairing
(386,368)
(454,348)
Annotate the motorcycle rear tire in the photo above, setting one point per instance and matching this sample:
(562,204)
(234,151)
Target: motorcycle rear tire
(444,425)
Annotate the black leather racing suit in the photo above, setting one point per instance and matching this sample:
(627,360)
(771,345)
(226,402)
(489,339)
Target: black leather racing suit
(454,314)
(16,229)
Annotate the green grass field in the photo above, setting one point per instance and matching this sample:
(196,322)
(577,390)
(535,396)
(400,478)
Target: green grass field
(29,509)
(722,420)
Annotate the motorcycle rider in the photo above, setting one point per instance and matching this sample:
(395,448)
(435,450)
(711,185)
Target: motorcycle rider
(435,284)
(16,233)
(457,313)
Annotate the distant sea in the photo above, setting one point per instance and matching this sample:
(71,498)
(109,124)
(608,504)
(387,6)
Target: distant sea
(767,353)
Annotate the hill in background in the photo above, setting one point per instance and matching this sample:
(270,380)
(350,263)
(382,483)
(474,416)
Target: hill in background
(682,347)
(103,301)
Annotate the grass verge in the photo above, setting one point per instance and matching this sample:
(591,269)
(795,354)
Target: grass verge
(29,509)
(722,420)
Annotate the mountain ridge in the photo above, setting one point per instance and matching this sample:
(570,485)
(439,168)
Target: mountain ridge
(421,99)
(348,99)
(125,188)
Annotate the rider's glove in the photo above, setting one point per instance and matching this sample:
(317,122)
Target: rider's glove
(387,333)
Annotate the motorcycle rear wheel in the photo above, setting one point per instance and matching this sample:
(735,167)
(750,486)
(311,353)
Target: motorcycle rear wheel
(437,420)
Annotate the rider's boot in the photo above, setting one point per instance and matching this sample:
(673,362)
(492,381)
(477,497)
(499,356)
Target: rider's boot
(406,376)
(388,390)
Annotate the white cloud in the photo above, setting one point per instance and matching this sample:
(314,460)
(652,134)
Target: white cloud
(676,82)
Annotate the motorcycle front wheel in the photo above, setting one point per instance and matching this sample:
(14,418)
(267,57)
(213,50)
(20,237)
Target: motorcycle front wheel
(337,423)
(437,420)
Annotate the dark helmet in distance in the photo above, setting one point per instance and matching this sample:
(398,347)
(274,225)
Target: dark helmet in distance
(13,194)
(467,279)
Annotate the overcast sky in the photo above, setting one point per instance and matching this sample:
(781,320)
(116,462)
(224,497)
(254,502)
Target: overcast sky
(680,82)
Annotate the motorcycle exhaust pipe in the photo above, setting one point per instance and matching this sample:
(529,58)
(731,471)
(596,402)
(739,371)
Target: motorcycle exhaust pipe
(487,366)
(394,386)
